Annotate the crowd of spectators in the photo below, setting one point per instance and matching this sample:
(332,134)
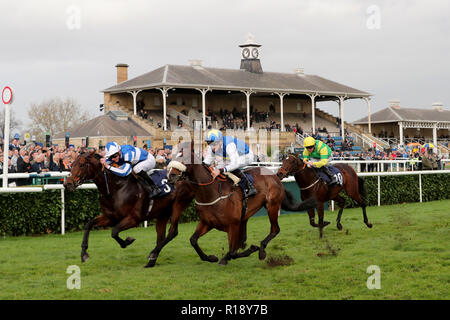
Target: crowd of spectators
(35,157)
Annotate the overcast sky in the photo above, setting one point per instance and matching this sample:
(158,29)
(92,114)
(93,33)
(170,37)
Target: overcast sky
(393,49)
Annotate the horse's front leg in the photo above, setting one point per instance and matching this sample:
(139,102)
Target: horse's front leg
(202,228)
(102,221)
(125,224)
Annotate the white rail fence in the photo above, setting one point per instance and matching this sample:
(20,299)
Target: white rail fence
(270,165)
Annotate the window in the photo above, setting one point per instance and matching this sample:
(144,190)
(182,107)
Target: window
(156,101)
(194,103)
(299,106)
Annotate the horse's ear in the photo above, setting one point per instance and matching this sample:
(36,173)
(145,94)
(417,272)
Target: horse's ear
(97,156)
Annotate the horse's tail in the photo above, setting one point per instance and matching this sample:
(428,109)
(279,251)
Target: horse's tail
(362,190)
(289,203)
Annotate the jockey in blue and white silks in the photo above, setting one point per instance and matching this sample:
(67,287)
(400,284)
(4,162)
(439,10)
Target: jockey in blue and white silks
(235,153)
(122,159)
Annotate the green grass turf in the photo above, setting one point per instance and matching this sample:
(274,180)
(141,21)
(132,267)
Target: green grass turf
(409,243)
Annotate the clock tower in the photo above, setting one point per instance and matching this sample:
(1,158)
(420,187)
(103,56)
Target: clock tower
(250,55)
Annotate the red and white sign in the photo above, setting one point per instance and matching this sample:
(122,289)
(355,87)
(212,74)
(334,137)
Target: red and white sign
(7,95)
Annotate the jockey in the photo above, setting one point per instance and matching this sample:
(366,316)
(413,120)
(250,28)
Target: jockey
(121,159)
(318,150)
(235,151)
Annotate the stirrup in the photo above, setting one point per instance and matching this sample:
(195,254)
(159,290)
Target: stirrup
(250,192)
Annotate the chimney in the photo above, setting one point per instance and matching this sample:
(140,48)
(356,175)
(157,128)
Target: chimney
(438,106)
(394,104)
(299,71)
(122,72)
(196,63)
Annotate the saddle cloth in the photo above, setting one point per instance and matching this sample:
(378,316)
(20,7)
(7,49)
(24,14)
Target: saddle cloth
(249,177)
(159,177)
(335,171)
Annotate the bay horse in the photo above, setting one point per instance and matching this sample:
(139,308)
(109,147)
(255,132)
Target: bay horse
(220,204)
(125,203)
(312,186)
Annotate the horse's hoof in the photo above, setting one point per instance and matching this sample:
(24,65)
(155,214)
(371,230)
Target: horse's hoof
(262,254)
(325,223)
(84,257)
(223,262)
(150,264)
(339,226)
(369,225)
(212,258)
(130,240)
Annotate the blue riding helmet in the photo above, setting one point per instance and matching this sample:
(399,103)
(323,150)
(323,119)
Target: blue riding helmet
(213,135)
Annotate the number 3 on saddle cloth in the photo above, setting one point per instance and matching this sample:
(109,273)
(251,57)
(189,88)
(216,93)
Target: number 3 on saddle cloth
(334,171)
(159,177)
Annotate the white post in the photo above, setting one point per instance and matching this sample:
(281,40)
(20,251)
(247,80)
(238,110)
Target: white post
(63,218)
(6,147)
(420,187)
(313,112)
(379,195)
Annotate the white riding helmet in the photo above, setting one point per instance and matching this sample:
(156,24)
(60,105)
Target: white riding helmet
(111,148)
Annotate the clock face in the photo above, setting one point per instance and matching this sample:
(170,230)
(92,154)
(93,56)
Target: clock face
(246,53)
(255,53)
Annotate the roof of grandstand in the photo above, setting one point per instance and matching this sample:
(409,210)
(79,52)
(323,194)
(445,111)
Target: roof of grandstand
(235,79)
(391,114)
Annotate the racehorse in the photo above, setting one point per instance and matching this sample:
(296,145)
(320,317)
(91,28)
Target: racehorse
(125,203)
(311,186)
(220,204)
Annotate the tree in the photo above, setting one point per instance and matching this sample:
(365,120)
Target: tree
(54,116)
(14,124)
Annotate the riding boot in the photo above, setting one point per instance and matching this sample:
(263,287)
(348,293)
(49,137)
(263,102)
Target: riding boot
(249,189)
(154,189)
(332,177)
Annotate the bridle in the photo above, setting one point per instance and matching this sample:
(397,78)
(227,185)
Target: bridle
(285,173)
(84,178)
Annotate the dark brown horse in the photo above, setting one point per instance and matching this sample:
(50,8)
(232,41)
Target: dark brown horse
(311,186)
(220,204)
(125,203)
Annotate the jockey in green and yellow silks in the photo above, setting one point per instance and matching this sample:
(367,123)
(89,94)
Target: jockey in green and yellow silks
(319,151)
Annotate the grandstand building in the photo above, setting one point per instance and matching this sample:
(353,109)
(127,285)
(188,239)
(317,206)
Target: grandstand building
(196,94)
(400,125)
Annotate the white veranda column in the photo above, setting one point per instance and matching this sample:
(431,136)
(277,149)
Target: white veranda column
(203,92)
(247,94)
(281,95)
(134,94)
(313,111)
(400,129)
(164,91)
(341,111)
(435,136)
(368,114)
